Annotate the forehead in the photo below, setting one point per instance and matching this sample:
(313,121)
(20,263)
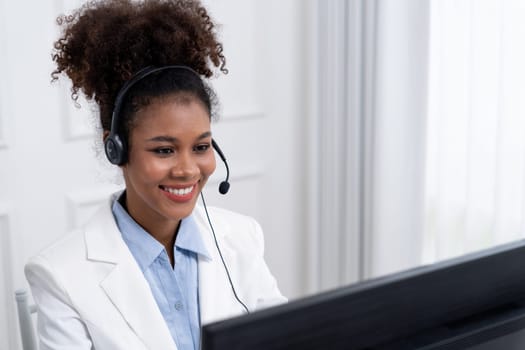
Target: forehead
(174,115)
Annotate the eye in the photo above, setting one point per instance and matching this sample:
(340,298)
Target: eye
(163,150)
(201,148)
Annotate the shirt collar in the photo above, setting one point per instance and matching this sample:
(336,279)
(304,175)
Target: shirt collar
(145,248)
(189,237)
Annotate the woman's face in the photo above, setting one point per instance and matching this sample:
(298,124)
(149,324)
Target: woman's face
(170,160)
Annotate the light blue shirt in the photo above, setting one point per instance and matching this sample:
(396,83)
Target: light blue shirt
(175,289)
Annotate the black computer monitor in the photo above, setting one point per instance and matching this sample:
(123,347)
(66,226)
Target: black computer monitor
(473,302)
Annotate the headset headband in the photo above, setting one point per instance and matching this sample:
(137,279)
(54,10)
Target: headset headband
(141,74)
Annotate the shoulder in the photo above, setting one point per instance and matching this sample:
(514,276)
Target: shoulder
(232,228)
(50,271)
(67,248)
(225,216)
(70,250)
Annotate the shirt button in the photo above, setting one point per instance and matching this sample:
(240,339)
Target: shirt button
(178,306)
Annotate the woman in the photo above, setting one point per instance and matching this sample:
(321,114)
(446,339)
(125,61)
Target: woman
(151,266)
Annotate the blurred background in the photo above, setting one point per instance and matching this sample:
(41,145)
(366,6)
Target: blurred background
(366,136)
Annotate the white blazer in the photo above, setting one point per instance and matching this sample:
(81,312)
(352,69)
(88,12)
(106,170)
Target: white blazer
(91,294)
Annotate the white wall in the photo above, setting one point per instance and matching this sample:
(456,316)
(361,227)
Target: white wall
(262,125)
(51,178)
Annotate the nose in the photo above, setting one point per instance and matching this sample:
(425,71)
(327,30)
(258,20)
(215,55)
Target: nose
(185,166)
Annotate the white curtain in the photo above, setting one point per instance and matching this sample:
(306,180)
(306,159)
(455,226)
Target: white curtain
(427,112)
(475,159)
(366,103)
(393,235)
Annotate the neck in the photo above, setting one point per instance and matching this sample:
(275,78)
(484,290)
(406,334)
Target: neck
(164,231)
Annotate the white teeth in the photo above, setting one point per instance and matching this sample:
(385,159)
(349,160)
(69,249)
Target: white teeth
(179,192)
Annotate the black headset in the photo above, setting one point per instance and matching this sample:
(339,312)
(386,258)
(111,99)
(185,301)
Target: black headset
(115,145)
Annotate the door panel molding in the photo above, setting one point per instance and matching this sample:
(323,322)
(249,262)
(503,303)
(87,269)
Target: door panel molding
(8,322)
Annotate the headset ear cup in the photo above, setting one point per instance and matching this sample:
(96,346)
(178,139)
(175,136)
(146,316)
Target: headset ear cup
(115,151)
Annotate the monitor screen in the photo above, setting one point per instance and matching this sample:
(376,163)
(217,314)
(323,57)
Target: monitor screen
(475,302)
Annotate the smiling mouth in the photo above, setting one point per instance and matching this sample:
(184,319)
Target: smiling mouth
(178,191)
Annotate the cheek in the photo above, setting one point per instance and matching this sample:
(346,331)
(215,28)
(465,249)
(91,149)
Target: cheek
(146,169)
(154,171)
(208,165)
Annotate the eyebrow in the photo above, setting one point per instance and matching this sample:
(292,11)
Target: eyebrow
(166,138)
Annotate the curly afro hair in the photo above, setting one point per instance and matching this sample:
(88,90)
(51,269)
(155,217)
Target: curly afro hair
(104,43)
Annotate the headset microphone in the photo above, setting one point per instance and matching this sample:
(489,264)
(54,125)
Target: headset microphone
(225,185)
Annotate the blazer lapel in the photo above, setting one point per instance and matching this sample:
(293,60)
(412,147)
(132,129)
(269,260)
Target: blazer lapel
(216,298)
(125,284)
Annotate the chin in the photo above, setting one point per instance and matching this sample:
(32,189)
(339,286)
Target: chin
(181,212)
